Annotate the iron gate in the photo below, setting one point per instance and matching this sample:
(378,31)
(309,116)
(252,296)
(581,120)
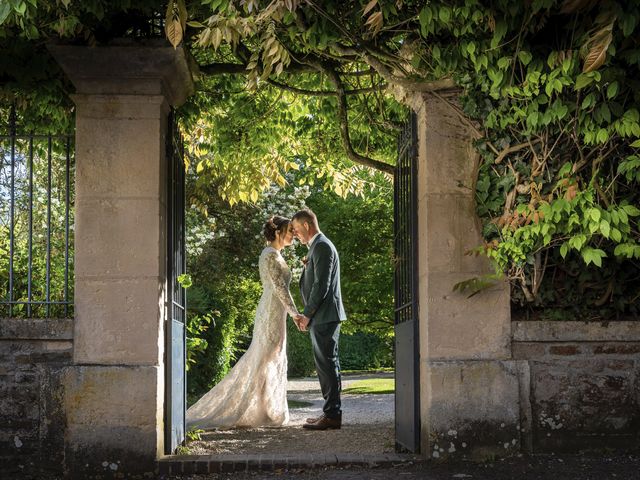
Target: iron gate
(175,356)
(407,400)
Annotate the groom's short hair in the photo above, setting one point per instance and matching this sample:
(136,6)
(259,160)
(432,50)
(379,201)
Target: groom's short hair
(306,215)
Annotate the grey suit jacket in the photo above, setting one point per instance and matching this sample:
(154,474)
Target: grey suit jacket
(320,283)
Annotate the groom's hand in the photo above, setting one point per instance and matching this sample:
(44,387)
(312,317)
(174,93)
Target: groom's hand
(303,322)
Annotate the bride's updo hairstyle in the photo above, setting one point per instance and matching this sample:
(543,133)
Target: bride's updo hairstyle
(273,226)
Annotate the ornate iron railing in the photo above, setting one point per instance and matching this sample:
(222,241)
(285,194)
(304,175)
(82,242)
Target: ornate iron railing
(36,223)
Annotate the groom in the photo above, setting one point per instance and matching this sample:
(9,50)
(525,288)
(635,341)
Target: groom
(323,312)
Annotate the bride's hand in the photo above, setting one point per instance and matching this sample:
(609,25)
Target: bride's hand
(303,322)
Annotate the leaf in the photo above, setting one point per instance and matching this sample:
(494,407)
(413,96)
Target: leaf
(471,48)
(598,46)
(582,81)
(564,249)
(425,17)
(477,284)
(369,6)
(216,38)
(616,235)
(612,90)
(602,136)
(444,14)
(175,22)
(21,8)
(630,210)
(185,280)
(5,10)
(375,22)
(525,57)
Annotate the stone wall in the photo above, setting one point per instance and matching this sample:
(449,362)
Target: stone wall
(580,389)
(33,357)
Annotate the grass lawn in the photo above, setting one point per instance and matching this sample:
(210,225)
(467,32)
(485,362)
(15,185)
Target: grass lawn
(371,386)
(297,404)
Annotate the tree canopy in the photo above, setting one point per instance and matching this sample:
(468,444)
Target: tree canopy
(550,88)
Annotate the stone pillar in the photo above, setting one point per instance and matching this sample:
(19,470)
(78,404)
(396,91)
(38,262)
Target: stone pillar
(469,385)
(114,393)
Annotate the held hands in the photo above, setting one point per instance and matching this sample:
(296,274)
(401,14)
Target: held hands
(301,322)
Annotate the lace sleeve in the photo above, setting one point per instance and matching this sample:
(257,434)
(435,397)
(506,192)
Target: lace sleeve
(276,272)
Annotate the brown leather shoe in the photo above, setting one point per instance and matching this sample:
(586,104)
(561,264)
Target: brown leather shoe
(325,423)
(314,419)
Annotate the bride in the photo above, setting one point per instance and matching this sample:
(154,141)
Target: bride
(254,392)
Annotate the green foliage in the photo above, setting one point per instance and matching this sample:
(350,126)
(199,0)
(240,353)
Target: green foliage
(194,434)
(299,353)
(365,351)
(197,344)
(554,86)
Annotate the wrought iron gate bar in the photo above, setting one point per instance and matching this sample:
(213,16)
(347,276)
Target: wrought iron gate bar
(48,281)
(30,241)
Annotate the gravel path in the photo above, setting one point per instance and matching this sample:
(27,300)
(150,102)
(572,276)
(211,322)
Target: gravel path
(367,425)
(357,409)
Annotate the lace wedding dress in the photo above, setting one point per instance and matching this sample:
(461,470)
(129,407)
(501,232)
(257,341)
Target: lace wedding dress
(254,392)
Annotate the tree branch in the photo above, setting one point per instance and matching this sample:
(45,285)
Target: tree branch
(443,84)
(217,68)
(344,125)
(323,93)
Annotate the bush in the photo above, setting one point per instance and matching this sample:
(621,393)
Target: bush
(365,351)
(299,353)
(360,351)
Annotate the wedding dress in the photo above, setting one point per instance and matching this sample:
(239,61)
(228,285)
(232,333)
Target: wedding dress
(254,392)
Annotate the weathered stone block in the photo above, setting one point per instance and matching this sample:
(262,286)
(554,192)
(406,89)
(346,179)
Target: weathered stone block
(528,350)
(565,350)
(557,331)
(584,404)
(470,408)
(119,321)
(120,238)
(108,408)
(35,328)
(445,146)
(618,349)
(454,326)
(120,157)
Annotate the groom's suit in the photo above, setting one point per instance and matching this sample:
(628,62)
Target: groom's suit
(320,289)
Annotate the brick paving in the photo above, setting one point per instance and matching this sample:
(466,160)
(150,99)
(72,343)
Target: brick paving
(228,463)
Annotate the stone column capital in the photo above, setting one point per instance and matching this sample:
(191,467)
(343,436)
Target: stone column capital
(128,67)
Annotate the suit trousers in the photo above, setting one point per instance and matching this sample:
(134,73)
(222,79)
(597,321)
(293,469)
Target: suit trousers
(324,339)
